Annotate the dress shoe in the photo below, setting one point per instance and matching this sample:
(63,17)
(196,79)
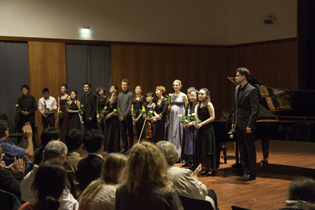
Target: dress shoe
(211,173)
(241,177)
(123,151)
(237,165)
(248,177)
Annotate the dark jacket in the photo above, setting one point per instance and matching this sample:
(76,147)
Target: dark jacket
(246,107)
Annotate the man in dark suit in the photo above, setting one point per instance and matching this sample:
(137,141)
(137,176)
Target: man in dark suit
(88,101)
(246,109)
(89,168)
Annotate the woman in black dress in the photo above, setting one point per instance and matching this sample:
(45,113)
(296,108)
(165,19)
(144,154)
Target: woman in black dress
(63,122)
(206,145)
(149,107)
(111,131)
(74,119)
(100,104)
(137,103)
(161,110)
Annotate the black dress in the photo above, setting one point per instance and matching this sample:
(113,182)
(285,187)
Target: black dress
(111,130)
(100,106)
(205,141)
(74,119)
(137,107)
(161,125)
(63,122)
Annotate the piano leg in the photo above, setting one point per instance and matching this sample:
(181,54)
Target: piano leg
(265,151)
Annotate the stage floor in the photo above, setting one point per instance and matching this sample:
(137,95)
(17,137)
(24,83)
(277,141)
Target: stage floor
(287,160)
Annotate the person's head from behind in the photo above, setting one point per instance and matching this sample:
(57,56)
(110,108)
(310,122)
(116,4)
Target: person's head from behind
(93,141)
(74,140)
(4,132)
(112,166)
(48,135)
(145,164)
(169,151)
(55,150)
(302,188)
(46,93)
(49,182)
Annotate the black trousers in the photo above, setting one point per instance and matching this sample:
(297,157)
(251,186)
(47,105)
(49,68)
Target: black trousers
(49,120)
(246,145)
(125,125)
(90,124)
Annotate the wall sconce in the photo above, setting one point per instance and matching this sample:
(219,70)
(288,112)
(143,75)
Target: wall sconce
(85,31)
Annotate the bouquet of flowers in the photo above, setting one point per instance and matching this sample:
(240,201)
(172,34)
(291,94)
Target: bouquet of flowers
(67,105)
(60,114)
(132,113)
(117,113)
(45,106)
(231,133)
(169,98)
(103,113)
(184,119)
(195,119)
(150,115)
(18,108)
(143,112)
(82,109)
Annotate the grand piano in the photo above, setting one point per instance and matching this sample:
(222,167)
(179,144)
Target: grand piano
(284,115)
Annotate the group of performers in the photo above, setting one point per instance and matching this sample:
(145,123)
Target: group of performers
(118,113)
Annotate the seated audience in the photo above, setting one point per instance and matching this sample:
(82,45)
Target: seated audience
(49,184)
(12,150)
(89,168)
(103,190)
(144,181)
(74,142)
(301,194)
(54,150)
(10,178)
(185,181)
(48,135)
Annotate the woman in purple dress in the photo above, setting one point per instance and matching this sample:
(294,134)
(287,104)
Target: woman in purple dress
(177,107)
(191,131)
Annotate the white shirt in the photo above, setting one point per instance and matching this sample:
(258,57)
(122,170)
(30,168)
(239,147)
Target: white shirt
(50,104)
(66,199)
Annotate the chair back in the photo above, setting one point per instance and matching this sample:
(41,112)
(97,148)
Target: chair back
(9,201)
(193,204)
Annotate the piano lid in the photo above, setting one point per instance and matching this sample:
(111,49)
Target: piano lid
(285,102)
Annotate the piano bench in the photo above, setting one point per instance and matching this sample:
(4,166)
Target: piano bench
(223,149)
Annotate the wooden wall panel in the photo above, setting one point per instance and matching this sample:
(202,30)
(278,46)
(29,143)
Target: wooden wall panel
(150,66)
(47,69)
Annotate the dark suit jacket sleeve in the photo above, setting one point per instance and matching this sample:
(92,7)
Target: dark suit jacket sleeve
(233,116)
(93,104)
(9,183)
(254,107)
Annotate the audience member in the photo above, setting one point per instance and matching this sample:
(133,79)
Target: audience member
(103,190)
(301,194)
(74,142)
(48,135)
(57,151)
(89,168)
(49,184)
(144,181)
(12,150)
(185,181)
(10,181)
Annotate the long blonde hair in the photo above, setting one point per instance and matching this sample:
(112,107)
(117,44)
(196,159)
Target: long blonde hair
(114,162)
(146,164)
